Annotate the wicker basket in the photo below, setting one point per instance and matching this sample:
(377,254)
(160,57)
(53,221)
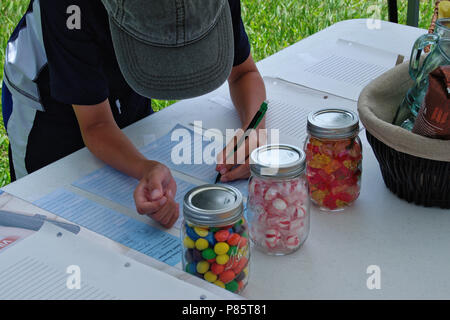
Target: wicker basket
(415,168)
(433,21)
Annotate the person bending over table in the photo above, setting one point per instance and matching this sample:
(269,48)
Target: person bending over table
(77,71)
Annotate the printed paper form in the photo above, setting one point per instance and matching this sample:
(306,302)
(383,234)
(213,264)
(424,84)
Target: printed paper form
(343,68)
(289,106)
(161,150)
(113,225)
(289,119)
(37,269)
(119,188)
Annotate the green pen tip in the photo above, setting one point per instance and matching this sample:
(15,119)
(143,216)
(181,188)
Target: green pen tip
(264,106)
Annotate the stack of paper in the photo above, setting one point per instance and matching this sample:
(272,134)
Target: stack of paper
(343,68)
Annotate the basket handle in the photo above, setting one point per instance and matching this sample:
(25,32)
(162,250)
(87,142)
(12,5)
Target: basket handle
(421,43)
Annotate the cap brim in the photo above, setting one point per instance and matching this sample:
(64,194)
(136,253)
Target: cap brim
(176,72)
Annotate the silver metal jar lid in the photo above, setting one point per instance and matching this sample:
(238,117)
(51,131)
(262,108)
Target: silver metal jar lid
(213,205)
(280,161)
(333,123)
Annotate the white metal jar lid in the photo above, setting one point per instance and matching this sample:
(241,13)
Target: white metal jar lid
(213,205)
(333,123)
(279,161)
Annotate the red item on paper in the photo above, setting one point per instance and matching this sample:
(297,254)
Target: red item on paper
(7,241)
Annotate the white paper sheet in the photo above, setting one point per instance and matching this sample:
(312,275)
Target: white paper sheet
(290,120)
(161,150)
(38,268)
(343,68)
(289,107)
(113,225)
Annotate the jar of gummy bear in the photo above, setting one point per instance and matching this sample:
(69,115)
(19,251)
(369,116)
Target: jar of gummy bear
(278,199)
(334,158)
(215,236)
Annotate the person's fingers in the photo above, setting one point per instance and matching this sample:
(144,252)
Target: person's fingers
(240,172)
(175,216)
(156,181)
(168,214)
(146,192)
(143,204)
(171,189)
(159,215)
(221,158)
(164,215)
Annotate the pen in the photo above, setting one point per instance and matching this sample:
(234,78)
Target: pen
(15,220)
(253,125)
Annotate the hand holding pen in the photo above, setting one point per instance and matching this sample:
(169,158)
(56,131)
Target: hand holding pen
(244,140)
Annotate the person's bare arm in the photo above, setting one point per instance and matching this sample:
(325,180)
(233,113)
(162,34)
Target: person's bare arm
(247,92)
(107,142)
(155,193)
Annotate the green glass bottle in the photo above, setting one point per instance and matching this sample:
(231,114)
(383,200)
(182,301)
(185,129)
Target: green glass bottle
(439,44)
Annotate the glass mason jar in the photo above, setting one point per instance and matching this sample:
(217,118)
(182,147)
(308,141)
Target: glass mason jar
(215,236)
(278,199)
(333,158)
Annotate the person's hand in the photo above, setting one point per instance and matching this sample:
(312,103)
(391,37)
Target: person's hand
(154,196)
(237,166)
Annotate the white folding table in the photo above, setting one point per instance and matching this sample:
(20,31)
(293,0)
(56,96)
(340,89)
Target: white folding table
(408,244)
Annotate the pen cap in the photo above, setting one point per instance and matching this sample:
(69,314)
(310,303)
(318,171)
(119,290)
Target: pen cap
(213,205)
(278,161)
(333,123)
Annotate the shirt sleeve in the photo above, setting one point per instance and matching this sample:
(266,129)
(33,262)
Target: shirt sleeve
(241,43)
(74,58)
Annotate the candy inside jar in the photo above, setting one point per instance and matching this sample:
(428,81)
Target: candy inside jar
(215,237)
(334,158)
(278,199)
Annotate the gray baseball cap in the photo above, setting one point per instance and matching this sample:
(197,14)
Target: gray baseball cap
(174,49)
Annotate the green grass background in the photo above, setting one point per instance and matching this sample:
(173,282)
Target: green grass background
(271,25)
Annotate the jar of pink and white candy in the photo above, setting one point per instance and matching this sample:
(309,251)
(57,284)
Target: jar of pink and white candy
(279,205)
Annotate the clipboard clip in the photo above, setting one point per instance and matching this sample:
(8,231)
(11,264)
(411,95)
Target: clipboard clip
(34,223)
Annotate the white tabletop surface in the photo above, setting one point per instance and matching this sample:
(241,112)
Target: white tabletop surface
(409,244)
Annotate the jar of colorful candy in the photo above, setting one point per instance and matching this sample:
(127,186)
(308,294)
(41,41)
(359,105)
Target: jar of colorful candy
(278,199)
(334,158)
(215,236)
